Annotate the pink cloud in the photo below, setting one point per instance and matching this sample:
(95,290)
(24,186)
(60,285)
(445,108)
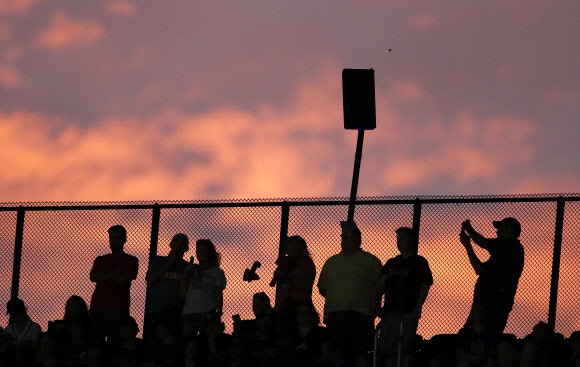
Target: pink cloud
(9,77)
(16,6)
(64,32)
(425,22)
(122,8)
(5,32)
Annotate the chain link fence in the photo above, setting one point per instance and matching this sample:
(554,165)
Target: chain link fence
(61,240)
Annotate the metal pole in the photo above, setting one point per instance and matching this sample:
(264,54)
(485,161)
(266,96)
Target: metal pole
(153,244)
(285,217)
(355,173)
(556,262)
(417,206)
(17,262)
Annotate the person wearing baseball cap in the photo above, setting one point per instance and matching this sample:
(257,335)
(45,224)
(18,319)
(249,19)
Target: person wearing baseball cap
(163,279)
(498,277)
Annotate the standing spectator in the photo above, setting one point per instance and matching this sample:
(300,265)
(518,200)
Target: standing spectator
(113,274)
(499,276)
(163,279)
(405,282)
(348,282)
(202,286)
(294,276)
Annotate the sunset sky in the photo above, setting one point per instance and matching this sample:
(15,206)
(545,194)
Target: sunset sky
(187,100)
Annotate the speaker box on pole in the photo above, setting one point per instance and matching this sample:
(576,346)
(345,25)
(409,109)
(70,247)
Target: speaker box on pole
(358,99)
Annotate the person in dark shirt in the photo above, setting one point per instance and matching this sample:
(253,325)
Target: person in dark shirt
(112,274)
(405,282)
(163,278)
(498,277)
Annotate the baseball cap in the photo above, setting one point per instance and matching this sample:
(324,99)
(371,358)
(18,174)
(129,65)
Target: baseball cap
(512,222)
(349,226)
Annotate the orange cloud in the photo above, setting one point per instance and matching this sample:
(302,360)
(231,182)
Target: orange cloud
(64,32)
(8,7)
(122,8)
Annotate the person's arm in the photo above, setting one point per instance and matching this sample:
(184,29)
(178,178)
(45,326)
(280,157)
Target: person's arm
(381,288)
(477,238)
(219,300)
(423,292)
(321,280)
(473,259)
(184,283)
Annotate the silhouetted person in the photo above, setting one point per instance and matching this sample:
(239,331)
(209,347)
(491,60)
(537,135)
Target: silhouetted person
(498,277)
(348,282)
(294,276)
(163,279)
(476,343)
(75,309)
(203,288)
(405,282)
(21,334)
(113,274)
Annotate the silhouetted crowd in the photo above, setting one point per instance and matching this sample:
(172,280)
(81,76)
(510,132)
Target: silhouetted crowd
(184,324)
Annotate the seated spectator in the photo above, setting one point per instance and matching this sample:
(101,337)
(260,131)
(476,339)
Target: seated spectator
(244,329)
(191,354)
(213,343)
(21,334)
(129,350)
(75,309)
(96,356)
(264,345)
(47,353)
(574,345)
(476,342)
(21,328)
(543,347)
(311,345)
(74,353)
(165,348)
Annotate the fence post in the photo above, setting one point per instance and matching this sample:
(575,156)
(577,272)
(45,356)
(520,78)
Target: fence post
(285,217)
(417,218)
(152,253)
(154,231)
(556,262)
(17,261)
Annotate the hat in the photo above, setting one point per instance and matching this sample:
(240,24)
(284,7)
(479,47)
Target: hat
(512,222)
(181,235)
(349,226)
(15,305)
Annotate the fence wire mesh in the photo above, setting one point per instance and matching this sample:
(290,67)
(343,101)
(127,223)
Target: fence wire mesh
(60,242)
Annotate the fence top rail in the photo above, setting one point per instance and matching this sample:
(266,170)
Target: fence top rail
(146,205)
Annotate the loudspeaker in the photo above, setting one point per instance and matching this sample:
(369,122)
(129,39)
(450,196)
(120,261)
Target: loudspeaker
(358,99)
